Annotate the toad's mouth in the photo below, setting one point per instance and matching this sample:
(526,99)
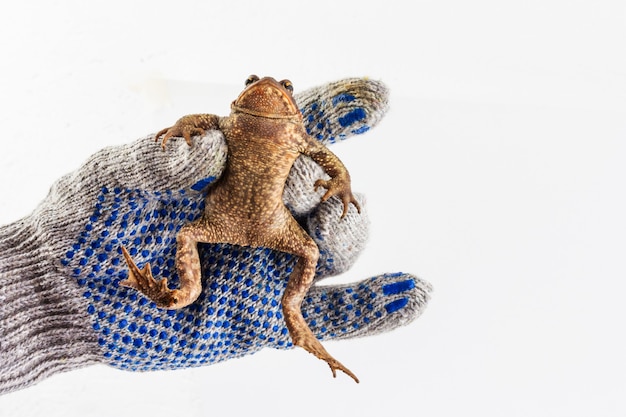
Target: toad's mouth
(267,98)
(269,115)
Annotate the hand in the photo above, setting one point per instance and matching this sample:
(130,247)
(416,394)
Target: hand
(61,305)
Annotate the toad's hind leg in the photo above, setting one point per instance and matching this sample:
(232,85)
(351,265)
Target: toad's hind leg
(187,265)
(296,241)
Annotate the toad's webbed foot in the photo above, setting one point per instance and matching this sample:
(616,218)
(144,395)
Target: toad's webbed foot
(304,338)
(143,281)
(340,188)
(188,126)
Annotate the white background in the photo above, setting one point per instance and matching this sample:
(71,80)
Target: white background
(497,175)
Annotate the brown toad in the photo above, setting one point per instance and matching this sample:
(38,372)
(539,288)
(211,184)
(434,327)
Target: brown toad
(264,135)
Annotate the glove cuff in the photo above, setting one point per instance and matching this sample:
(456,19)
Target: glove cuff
(44,327)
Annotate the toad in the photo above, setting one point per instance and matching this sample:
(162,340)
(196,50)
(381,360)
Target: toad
(264,134)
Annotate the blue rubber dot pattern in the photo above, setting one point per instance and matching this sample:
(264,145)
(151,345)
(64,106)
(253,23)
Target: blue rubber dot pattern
(321,126)
(132,332)
(239,309)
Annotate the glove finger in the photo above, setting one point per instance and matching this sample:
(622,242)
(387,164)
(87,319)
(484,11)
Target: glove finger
(300,195)
(332,112)
(369,307)
(144,165)
(340,241)
(338,110)
(140,165)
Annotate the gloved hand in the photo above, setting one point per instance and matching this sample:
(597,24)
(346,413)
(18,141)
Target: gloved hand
(61,305)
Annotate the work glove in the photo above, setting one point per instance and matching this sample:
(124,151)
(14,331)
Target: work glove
(61,303)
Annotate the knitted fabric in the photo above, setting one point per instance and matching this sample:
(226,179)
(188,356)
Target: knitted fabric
(43,322)
(61,306)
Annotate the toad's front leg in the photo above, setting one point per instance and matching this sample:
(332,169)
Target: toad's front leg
(339,184)
(188,126)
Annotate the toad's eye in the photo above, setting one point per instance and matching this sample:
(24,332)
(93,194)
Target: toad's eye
(288,86)
(251,79)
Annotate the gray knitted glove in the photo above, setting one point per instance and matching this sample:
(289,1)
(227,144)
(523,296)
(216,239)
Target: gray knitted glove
(61,305)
